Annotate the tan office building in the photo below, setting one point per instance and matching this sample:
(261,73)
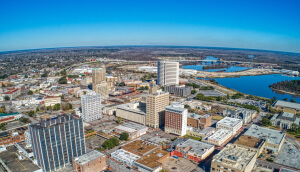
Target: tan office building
(98,76)
(155,108)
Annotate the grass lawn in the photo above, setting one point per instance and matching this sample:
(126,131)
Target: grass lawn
(192,137)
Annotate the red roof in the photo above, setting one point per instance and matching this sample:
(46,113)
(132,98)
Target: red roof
(11,91)
(70,79)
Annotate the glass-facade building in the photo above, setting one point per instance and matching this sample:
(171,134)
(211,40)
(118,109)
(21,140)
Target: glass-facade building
(56,141)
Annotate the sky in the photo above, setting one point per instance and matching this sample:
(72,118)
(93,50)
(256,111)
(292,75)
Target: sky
(251,24)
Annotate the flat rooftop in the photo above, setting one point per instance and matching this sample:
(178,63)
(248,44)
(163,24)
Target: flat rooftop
(235,156)
(197,147)
(220,134)
(197,116)
(207,130)
(90,156)
(151,159)
(140,110)
(249,141)
(270,135)
(229,121)
(12,161)
(134,126)
(139,147)
(287,104)
(177,108)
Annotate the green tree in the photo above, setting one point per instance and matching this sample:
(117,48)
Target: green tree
(49,107)
(31,113)
(193,91)
(24,120)
(119,120)
(62,96)
(64,72)
(2,126)
(70,106)
(285,99)
(146,88)
(186,106)
(292,100)
(124,136)
(30,92)
(266,122)
(56,106)
(26,76)
(44,75)
(122,84)
(6,98)
(37,109)
(162,88)
(3,85)
(108,144)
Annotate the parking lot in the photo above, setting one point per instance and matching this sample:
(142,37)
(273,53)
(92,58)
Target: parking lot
(94,141)
(10,158)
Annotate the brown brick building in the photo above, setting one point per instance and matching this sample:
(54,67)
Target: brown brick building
(199,121)
(93,161)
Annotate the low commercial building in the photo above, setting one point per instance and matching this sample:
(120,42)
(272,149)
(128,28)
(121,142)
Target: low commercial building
(135,111)
(93,161)
(110,109)
(102,89)
(12,93)
(251,142)
(52,100)
(140,147)
(194,150)
(10,117)
(231,124)
(152,162)
(176,119)
(178,90)
(125,157)
(199,121)
(285,120)
(133,129)
(24,149)
(274,139)
(234,158)
(8,138)
(286,106)
(244,114)
(220,137)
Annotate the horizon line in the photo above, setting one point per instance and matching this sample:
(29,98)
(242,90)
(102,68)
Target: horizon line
(170,46)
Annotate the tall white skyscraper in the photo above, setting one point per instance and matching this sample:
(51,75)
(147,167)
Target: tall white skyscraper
(167,73)
(91,106)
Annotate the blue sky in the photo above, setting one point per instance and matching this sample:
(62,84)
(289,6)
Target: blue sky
(254,24)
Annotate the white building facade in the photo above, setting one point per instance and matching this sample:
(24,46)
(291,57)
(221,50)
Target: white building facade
(167,73)
(91,106)
(231,124)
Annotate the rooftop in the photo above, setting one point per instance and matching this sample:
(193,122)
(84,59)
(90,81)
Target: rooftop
(207,130)
(134,126)
(151,159)
(287,116)
(287,104)
(272,136)
(197,116)
(229,121)
(197,147)
(9,114)
(235,156)
(90,156)
(249,141)
(220,134)
(136,109)
(177,108)
(139,147)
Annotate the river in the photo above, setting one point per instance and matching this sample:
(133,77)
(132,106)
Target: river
(258,85)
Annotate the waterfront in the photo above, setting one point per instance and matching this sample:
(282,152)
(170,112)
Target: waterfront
(214,61)
(258,85)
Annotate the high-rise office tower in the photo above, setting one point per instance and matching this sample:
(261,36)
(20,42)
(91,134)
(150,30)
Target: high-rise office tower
(155,108)
(167,73)
(102,89)
(91,106)
(56,141)
(98,76)
(153,87)
(176,119)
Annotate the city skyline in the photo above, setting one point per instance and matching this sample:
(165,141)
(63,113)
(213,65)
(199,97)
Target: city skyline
(267,25)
